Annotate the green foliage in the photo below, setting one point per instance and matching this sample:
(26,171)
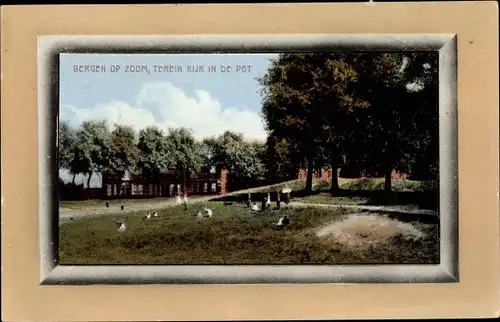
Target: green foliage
(154,151)
(321,184)
(93,152)
(397,185)
(369,112)
(277,157)
(92,149)
(184,152)
(244,159)
(335,109)
(67,142)
(123,150)
(307,99)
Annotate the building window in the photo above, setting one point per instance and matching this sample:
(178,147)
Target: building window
(137,189)
(205,187)
(109,190)
(214,187)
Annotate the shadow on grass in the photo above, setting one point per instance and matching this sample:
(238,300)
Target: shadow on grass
(407,218)
(259,196)
(422,199)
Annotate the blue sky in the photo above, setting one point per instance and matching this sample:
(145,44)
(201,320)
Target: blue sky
(232,89)
(207,102)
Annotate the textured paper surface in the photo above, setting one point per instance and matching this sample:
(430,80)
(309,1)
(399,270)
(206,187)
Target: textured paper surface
(477,294)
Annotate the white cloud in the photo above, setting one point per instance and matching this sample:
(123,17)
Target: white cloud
(95,180)
(112,112)
(202,113)
(166,105)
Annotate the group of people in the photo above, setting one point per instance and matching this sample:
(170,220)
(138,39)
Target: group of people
(182,200)
(266,201)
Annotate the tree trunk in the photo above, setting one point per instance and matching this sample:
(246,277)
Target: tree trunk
(334,188)
(387,181)
(184,180)
(74,177)
(88,185)
(309,180)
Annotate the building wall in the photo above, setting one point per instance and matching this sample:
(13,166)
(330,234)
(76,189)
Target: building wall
(223,181)
(326,174)
(168,185)
(323,174)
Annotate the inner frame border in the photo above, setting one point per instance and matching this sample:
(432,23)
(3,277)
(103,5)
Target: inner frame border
(49,48)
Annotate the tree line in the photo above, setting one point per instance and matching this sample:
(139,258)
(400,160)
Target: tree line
(365,112)
(368,113)
(92,148)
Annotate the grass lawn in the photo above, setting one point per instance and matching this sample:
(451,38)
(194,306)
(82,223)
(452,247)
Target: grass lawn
(82,204)
(297,185)
(419,194)
(232,236)
(398,185)
(417,199)
(79,204)
(326,198)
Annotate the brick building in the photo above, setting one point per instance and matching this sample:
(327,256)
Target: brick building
(326,174)
(169,183)
(206,182)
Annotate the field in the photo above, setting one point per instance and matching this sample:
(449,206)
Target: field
(369,192)
(85,204)
(235,235)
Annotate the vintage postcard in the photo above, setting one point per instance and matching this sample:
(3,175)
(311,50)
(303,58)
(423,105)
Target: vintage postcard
(280,158)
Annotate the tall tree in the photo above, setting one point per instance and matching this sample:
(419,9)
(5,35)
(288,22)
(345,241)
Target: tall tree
(93,147)
(381,126)
(67,148)
(123,150)
(421,73)
(185,153)
(335,83)
(290,109)
(401,122)
(308,99)
(154,153)
(243,159)
(278,160)
(206,154)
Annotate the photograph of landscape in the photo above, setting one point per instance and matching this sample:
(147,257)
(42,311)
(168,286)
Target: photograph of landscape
(324,158)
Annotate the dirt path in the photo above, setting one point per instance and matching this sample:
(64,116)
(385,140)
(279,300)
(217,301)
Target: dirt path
(129,207)
(147,205)
(66,214)
(393,209)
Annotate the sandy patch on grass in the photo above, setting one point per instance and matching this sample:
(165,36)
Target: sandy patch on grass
(364,230)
